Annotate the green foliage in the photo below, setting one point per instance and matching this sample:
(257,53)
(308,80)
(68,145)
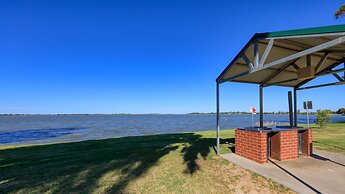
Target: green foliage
(341,111)
(323,117)
(340,12)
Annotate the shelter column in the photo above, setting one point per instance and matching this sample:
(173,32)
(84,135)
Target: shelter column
(295,106)
(261,107)
(290,108)
(218,126)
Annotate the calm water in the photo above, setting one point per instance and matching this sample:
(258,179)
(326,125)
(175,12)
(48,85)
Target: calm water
(47,129)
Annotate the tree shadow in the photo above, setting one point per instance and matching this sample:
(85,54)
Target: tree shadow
(81,166)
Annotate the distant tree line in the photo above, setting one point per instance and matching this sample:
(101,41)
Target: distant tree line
(240,112)
(340,111)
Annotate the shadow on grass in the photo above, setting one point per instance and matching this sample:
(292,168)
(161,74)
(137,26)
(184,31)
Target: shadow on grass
(80,166)
(231,144)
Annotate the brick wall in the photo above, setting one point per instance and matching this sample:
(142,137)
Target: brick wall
(284,144)
(288,145)
(251,145)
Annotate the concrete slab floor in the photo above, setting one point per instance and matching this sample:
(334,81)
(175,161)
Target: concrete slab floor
(324,172)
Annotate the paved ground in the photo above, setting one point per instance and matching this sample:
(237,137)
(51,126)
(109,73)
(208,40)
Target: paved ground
(322,173)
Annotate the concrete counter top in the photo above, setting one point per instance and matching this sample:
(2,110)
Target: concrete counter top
(272,128)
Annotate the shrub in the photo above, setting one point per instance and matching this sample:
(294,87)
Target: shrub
(323,117)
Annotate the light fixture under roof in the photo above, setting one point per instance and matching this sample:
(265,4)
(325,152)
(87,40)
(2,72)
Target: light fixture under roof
(306,73)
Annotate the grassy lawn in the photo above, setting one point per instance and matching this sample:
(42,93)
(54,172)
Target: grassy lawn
(330,138)
(174,163)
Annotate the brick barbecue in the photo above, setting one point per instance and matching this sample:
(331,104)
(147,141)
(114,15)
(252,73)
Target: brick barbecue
(280,143)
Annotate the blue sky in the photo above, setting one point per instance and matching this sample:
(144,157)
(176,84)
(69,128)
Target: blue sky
(142,56)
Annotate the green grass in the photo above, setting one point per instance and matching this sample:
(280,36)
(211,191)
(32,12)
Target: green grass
(331,138)
(172,163)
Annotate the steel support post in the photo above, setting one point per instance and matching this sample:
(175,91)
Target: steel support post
(290,108)
(261,107)
(218,119)
(295,106)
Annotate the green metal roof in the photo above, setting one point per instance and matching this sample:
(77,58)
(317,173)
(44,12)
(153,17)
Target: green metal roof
(286,35)
(304,31)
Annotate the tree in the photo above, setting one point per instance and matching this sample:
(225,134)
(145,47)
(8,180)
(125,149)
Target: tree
(340,12)
(341,111)
(323,117)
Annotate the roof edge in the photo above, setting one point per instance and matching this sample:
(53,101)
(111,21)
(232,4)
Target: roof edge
(255,36)
(305,31)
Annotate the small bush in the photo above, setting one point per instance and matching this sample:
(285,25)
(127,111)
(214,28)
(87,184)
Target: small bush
(323,117)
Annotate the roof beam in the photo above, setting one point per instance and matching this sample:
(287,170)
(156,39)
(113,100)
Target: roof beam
(280,82)
(321,85)
(338,77)
(250,65)
(342,51)
(266,52)
(294,43)
(308,60)
(295,66)
(306,46)
(296,50)
(233,77)
(239,55)
(273,75)
(302,53)
(324,70)
(323,59)
(295,79)
(256,54)
(331,72)
(271,68)
(245,73)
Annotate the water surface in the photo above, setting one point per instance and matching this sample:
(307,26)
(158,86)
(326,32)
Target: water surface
(66,128)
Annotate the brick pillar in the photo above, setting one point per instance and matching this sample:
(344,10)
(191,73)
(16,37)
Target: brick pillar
(288,145)
(251,145)
(307,143)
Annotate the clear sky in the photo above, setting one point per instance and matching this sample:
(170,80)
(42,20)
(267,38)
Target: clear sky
(142,56)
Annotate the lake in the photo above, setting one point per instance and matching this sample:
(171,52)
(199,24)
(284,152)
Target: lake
(40,129)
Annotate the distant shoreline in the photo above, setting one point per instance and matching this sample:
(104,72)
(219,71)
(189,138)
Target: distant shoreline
(84,114)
